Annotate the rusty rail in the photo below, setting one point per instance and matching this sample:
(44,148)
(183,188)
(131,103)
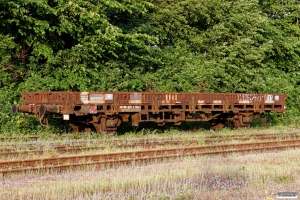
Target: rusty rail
(29,138)
(77,149)
(123,144)
(138,156)
(156,140)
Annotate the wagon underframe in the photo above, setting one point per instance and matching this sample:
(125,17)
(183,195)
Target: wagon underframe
(105,111)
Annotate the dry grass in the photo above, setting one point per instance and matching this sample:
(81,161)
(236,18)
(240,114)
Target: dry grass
(236,177)
(252,176)
(47,144)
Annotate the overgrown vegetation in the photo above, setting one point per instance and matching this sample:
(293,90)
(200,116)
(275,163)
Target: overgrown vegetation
(254,176)
(247,46)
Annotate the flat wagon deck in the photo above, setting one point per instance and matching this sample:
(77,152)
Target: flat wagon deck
(105,111)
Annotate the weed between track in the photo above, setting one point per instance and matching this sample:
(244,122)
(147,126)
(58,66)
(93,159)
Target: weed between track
(235,177)
(239,177)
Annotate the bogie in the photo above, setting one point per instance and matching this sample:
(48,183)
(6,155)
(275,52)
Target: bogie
(105,111)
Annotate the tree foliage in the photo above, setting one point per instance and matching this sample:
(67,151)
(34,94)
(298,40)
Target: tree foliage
(150,45)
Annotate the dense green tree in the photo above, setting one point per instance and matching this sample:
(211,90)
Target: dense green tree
(8,67)
(284,31)
(236,47)
(180,71)
(234,38)
(225,37)
(155,45)
(74,45)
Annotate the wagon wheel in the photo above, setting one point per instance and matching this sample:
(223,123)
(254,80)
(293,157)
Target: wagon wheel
(81,127)
(238,125)
(217,124)
(76,127)
(263,119)
(242,120)
(107,125)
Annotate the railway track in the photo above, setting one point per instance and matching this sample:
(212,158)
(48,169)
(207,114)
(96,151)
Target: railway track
(28,138)
(115,159)
(82,146)
(208,139)
(36,138)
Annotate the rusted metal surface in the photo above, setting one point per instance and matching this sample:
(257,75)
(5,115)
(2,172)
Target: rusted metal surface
(137,156)
(80,147)
(26,138)
(105,111)
(143,142)
(36,148)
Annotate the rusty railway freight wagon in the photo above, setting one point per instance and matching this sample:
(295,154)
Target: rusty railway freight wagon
(105,111)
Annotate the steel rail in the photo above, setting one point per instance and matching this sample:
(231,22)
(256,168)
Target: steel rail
(150,140)
(109,158)
(35,137)
(79,148)
(115,163)
(153,158)
(29,138)
(145,144)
